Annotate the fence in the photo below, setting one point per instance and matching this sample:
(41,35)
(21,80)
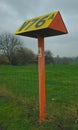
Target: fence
(20,83)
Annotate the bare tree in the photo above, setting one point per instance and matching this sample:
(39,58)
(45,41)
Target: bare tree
(9,44)
(49,57)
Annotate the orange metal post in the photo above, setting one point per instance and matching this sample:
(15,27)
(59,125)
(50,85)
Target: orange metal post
(41,69)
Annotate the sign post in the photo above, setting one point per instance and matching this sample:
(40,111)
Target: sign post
(43,26)
(41,68)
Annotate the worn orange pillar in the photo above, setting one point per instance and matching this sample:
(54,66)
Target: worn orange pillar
(41,69)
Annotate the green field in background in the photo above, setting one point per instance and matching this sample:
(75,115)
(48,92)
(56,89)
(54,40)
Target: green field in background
(19,103)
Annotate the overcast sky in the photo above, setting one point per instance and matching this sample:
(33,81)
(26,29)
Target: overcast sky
(14,12)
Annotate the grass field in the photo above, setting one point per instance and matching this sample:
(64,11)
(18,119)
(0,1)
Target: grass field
(19,106)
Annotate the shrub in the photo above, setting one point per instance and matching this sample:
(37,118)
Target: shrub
(4,60)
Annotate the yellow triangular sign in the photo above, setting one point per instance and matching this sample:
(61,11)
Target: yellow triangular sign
(46,25)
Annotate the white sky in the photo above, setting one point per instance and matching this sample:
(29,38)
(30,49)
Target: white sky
(14,12)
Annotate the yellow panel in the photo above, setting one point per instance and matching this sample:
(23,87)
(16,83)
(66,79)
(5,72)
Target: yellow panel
(36,23)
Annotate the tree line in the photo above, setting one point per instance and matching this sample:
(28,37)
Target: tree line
(13,52)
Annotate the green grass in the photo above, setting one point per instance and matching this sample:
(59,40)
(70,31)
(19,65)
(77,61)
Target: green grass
(19,106)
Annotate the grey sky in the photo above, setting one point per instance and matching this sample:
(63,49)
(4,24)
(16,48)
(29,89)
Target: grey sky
(14,12)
